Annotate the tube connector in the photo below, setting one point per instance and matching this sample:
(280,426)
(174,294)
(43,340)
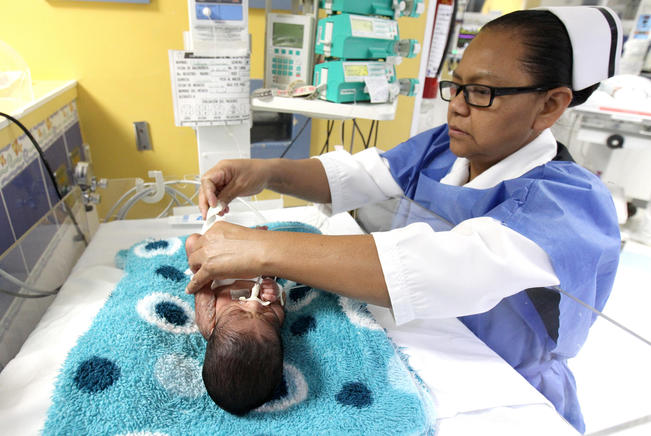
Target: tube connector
(159,187)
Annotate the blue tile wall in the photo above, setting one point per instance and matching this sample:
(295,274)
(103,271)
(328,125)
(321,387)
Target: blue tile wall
(6,236)
(73,137)
(26,198)
(51,191)
(56,154)
(29,195)
(57,158)
(35,242)
(74,145)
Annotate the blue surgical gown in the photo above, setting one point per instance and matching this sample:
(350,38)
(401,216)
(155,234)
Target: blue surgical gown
(564,209)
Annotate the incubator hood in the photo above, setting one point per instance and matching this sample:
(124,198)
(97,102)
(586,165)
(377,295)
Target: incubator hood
(15,80)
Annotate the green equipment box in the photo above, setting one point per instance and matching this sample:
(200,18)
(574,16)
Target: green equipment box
(387,8)
(347,36)
(361,81)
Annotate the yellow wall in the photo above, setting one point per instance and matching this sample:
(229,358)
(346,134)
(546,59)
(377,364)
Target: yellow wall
(118,54)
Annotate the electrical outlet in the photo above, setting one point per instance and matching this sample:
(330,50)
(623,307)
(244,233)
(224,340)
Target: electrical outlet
(143,139)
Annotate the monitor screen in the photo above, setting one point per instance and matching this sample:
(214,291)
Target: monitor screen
(358,25)
(287,35)
(356,70)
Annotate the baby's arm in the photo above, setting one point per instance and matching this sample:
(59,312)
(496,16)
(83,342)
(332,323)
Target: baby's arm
(204,308)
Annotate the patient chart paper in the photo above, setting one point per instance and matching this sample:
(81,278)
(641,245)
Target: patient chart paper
(209,90)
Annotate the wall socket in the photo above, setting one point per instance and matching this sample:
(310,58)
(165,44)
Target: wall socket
(143,138)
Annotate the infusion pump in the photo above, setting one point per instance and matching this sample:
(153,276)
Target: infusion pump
(289,49)
(360,81)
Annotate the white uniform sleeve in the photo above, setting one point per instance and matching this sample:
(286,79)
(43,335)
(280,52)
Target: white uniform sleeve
(356,180)
(464,271)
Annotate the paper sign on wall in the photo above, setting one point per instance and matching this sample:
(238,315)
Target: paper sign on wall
(439,38)
(209,90)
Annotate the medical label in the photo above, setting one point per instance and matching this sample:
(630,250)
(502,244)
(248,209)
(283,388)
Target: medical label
(369,27)
(378,88)
(209,90)
(358,72)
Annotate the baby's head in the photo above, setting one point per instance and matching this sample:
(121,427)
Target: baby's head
(244,355)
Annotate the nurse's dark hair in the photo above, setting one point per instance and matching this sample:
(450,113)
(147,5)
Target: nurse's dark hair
(242,369)
(548,54)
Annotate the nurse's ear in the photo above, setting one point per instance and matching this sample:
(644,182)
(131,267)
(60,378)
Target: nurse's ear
(554,103)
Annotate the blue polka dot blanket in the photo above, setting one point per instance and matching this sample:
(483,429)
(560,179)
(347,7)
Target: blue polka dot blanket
(137,370)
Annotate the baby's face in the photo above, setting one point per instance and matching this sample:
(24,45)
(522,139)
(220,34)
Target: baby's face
(222,304)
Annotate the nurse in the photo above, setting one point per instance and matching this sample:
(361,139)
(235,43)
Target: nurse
(525,216)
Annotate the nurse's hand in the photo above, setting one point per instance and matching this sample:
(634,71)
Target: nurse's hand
(225,250)
(232,178)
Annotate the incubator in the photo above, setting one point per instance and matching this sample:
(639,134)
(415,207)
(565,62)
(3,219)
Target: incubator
(348,361)
(473,387)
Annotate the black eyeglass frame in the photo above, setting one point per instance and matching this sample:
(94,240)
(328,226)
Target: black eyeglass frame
(495,91)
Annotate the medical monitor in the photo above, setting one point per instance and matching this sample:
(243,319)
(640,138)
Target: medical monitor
(289,49)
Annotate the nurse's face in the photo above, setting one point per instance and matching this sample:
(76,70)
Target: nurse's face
(487,135)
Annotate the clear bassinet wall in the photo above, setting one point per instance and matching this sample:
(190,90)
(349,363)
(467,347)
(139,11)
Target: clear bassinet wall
(15,80)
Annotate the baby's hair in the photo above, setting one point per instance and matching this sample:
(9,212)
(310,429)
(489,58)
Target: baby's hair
(242,369)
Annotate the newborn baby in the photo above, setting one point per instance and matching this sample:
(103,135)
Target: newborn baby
(241,321)
(244,356)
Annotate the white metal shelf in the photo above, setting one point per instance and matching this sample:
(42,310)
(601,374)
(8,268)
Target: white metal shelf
(326,109)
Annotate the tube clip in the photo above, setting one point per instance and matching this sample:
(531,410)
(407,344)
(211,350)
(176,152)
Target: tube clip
(158,189)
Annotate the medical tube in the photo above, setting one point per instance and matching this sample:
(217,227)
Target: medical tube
(259,217)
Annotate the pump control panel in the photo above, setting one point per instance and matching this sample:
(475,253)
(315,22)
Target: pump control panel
(289,49)
(353,81)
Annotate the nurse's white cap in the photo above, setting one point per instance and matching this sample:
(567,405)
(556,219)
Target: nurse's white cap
(596,37)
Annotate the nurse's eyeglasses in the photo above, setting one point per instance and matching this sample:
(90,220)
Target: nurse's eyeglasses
(483,95)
